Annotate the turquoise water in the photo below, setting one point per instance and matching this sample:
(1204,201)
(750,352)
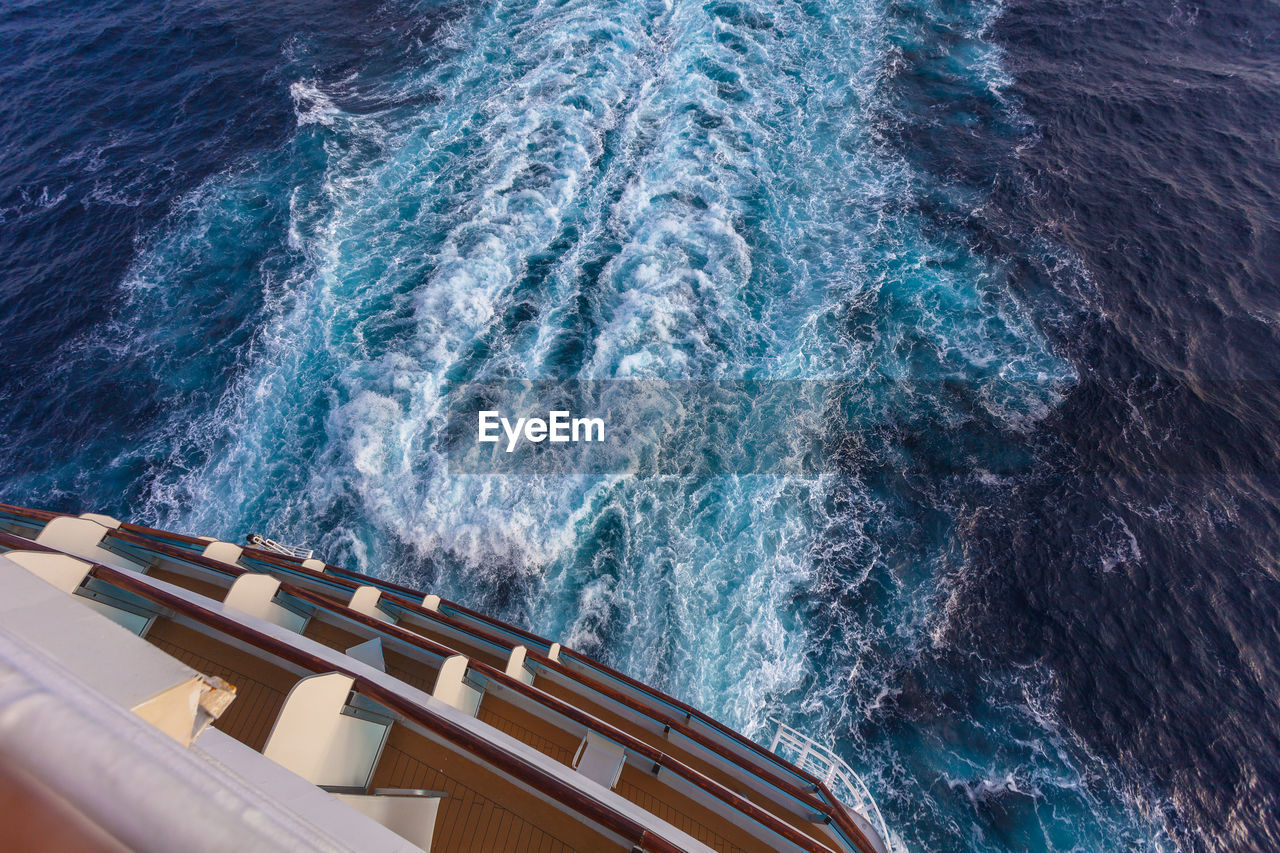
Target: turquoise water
(612,190)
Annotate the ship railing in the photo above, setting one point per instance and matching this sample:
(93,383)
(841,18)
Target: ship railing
(812,757)
(280,548)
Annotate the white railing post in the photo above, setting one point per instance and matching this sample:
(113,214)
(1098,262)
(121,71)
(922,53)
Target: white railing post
(811,756)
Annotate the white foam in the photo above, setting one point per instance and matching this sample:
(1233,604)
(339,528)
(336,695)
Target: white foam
(311,105)
(729,177)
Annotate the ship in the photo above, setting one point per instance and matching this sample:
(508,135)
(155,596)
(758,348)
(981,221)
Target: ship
(167,692)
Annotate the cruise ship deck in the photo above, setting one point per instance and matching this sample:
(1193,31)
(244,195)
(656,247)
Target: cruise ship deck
(323,709)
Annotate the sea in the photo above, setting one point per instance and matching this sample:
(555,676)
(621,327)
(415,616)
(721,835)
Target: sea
(1007,274)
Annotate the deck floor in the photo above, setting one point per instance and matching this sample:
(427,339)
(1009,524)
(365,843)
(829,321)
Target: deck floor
(415,673)
(208,589)
(647,801)
(504,817)
(654,797)
(543,736)
(260,687)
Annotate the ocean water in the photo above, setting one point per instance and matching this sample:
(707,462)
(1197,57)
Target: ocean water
(1012,267)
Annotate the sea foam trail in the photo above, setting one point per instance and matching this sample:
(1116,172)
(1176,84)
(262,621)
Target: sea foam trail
(662,190)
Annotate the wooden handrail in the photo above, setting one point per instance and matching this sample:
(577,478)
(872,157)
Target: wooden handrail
(688,710)
(34,514)
(807,795)
(18,543)
(816,795)
(474,744)
(142,530)
(639,747)
(169,551)
(577,715)
(407,592)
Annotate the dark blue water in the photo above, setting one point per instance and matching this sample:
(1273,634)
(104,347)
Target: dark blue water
(1030,251)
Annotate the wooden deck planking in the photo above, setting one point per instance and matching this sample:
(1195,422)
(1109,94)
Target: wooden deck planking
(653,795)
(503,818)
(415,673)
(680,753)
(462,643)
(331,635)
(260,687)
(208,589)
(528,729)
(469,820)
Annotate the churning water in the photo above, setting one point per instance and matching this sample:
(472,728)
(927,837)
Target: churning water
(250,252)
